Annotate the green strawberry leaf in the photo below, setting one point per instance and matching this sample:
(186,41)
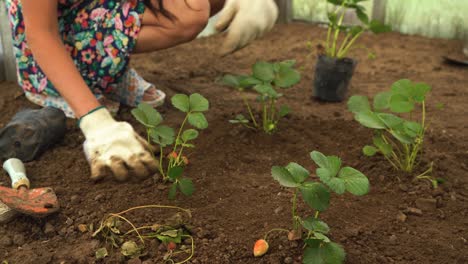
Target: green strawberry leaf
(198,120)
(153,117)
(173,191)
(316,195)
(355,182)
(299,173)
(390,120)
(189,134)
(198,103)
(181,102)
(357,104)
(315,225)
(186,186)
(369,119)
(284,177)
(401,104)
(382,101)
(369,151)
(287,76)
(175,172)
(263,71)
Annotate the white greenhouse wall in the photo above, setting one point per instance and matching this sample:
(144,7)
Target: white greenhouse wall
(430,18)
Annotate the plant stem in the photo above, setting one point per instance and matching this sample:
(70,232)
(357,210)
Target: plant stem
(407,167)
(180,132)
(179,156)
(177,140)
(161,166)
(327,48)
(247,126)
(337,32)
(343,44)
(192,251)
(391,162)
(417,148)
(250,111)
(395,145)
(131,224)
(148,136)
(427,171)
(317,213)
(294,208)
(273,230)
(395,156)
(265,118)
(351,42)
(272,109)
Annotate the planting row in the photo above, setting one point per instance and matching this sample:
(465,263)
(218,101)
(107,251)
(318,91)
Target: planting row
(397,117)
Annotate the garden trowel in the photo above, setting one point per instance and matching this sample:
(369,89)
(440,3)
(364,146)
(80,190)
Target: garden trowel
(38,202)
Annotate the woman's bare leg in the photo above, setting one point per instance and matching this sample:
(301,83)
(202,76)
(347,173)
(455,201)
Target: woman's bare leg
(159,32)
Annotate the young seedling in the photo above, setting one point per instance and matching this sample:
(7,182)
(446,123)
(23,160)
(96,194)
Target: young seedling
(316,194)
(172,166)
(332,48)
(266,79)
(398,139)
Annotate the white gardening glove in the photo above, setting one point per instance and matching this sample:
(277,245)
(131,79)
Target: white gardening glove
(114,148)
(245,20)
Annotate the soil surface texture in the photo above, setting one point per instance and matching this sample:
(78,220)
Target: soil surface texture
(236,201)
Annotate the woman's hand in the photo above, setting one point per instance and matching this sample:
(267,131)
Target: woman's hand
(113,148)
(245,20)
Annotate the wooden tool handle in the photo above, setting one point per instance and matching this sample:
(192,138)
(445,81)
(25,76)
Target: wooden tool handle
(17,172)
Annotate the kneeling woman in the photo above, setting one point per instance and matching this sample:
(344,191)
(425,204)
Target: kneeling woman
(74,55)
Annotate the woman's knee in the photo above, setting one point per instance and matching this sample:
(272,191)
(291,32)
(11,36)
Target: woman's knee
(193,19)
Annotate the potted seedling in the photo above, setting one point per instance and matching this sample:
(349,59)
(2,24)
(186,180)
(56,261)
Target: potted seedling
(268,80)
(334,69)
(399,120)
(332,177)
(172,162)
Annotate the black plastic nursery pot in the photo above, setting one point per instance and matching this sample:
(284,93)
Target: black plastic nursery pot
(332,77)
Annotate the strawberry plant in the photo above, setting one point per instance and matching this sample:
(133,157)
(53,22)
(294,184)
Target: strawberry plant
(398,118)
(172,166)
(351,33)
(266,79)
(332,177)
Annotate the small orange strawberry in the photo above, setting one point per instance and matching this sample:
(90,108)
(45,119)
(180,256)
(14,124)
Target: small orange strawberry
(171,246)
(172,155)
(260,248)
(185,160)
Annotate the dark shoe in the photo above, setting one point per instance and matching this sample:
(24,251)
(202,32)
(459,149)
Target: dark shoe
(31,132)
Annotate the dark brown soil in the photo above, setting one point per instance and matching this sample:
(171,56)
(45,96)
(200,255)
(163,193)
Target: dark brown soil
(236,198)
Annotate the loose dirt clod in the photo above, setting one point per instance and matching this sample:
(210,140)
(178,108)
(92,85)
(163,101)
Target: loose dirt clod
(49,229)
(82,228)
(414,211)
(426,204)
(401,217)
